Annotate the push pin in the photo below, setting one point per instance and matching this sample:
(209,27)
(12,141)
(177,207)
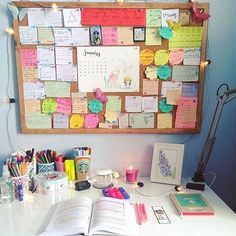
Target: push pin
(140,184)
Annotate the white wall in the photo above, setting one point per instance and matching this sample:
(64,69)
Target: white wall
(118,151)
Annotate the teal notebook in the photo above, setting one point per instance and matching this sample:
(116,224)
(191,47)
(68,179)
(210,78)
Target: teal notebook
(191,204)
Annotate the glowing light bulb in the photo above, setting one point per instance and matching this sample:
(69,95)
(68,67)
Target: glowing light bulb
(54,7)
(10,31)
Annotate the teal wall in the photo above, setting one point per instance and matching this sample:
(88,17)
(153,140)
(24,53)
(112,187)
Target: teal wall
(119,151)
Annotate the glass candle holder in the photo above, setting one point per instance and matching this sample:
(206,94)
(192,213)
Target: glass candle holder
(131,175)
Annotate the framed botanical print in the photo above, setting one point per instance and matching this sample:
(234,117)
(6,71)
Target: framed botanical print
(167,163)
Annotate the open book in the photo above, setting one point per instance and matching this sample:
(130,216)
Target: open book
(106,216)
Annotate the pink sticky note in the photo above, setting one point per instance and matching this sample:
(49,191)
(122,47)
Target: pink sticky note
(109,36)
(64,105)
(176,56)
(28,56)
(91,121)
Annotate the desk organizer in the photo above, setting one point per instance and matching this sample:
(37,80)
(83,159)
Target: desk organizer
(46,167)
(54,181)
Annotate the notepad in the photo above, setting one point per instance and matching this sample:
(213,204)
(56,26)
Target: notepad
(106,216)
(191,204)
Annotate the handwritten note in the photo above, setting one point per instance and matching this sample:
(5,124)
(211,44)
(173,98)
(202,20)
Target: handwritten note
(169,14)
(79,102)
(153,17)
(57,89)
(28,35)
(113,104)
(149,104)
(80,36)
(32,106)
(164,72)
(95,106)
(185,73)
(146,57)
(150,87)
(153,36)
(164,121)
(151,72)
(186,113)
(63,105)
(49,106)
(63,36)
(33,90)
(170,85)
(36,17)
(123,121)
(30,73)
(60,121)
(189,89)
(91,121)
(192,56)
(45,35)
(125,35)
(47,72)
(142,120)
(46,55)
(186,37)
(64,55)
(109,36)
(72,17)
(28,56)
(176,56)
(53,18)
(67,73)
(133,103)
(173,96)
(113,17)
(161,57)
(38,121)
(164,107)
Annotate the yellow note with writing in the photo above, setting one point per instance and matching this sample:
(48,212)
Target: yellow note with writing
(161,57)
(76,121)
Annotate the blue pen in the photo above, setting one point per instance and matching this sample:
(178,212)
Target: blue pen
(124,193)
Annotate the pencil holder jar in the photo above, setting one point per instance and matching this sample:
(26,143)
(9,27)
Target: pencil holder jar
(20,180)
(46,167)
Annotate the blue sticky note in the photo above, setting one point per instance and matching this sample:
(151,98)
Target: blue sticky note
(95,106)
(164,72)
(189,89)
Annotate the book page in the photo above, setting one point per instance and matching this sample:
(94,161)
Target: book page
(113,216)
(71,217)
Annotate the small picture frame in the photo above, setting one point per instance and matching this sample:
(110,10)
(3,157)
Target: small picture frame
(139,34)
(167,163)
(95,35)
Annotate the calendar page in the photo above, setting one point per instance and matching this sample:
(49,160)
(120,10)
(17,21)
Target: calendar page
(112,69)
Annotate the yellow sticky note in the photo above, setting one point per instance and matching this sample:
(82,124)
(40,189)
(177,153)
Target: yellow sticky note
(76,121)
(111,116)
(152,36)
(164,120)
(161,57)
(172,96)
(146,57)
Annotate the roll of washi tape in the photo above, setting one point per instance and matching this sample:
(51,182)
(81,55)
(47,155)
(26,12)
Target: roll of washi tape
(54,181)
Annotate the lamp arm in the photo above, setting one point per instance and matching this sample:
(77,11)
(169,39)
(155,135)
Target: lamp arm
(223,98)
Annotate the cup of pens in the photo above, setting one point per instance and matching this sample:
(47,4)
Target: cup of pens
(45,161)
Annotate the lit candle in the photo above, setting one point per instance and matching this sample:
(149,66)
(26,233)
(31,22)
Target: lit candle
(131,175)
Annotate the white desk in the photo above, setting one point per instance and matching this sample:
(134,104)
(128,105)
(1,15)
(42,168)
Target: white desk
(30,217)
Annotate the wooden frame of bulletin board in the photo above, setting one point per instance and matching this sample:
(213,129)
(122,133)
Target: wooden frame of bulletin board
(139,104)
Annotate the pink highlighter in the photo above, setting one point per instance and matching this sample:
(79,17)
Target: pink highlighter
(118,193)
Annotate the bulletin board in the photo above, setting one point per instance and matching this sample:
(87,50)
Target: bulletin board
(110,67)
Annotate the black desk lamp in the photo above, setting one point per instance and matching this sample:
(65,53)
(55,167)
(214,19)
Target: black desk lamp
(224,95)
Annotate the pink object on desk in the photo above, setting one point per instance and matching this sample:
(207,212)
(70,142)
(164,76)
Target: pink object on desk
(131,175)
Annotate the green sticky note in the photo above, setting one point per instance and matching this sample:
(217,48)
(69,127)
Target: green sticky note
(113,103)
(164,107)
(166,32)
(49,106)
(191,200)
(95,106)
(153,17)
(164,72)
